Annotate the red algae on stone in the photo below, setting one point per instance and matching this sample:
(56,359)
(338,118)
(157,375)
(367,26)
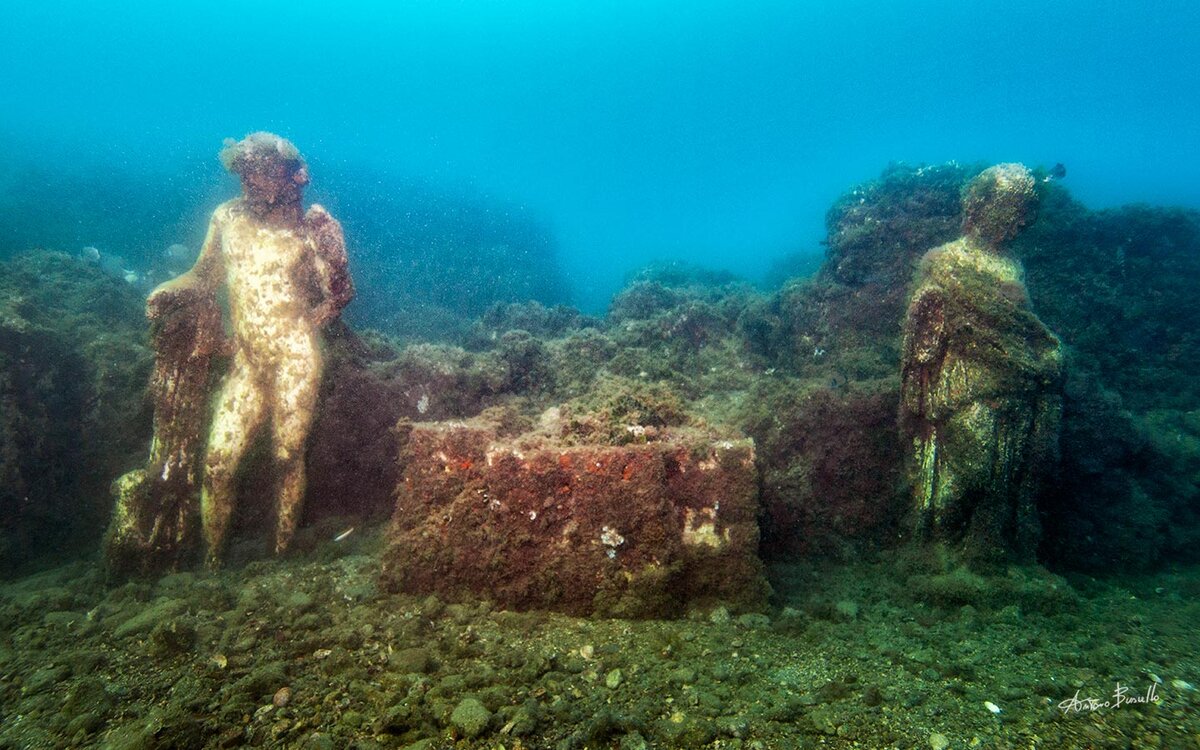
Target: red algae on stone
(640,530)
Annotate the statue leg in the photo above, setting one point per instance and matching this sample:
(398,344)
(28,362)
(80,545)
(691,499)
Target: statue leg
(240,408)
(297,382)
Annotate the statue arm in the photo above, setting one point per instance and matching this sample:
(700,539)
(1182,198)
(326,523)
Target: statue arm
(200,281)
(925,326)
(924,348)
(332,265)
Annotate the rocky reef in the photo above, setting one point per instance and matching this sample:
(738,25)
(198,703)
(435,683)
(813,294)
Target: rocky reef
(810,372)
(73,370)
(1115,285)
(666,460)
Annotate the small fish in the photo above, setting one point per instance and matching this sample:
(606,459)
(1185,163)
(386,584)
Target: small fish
(177,252)
(344,534)
(992,707)
(1057,172)
(90,254)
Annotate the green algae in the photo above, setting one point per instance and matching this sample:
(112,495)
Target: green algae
(891,649)
(73,368)
(870,654)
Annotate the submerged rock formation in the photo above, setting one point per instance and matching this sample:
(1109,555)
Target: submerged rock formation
(73,369)
(812,373)
(981,399)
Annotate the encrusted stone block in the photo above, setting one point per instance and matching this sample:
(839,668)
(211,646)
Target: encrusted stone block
(639,530)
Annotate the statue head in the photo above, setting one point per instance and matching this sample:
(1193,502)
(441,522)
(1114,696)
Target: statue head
(998,203)
(271,169)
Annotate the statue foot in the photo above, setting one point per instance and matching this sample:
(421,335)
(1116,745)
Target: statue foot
(212,562)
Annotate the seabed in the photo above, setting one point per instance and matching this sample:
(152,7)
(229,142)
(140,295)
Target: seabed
(310,653)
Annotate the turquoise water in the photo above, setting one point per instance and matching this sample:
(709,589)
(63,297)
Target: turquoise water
(703,388)
(712,131)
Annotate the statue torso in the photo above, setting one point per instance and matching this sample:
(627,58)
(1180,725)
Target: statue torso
(269,275)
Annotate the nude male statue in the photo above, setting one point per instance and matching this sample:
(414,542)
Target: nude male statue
(286,276)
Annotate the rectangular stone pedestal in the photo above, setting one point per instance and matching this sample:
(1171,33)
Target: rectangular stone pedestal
(639,530)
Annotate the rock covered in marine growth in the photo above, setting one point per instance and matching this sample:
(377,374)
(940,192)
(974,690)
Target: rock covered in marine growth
(73,367)
(648,528)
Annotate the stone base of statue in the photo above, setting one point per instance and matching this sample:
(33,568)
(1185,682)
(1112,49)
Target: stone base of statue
(652,528)
(156,521)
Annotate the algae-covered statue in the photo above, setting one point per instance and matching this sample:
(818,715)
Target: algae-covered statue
(981,381)
(284,274)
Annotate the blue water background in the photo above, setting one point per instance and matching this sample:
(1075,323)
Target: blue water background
(714,131)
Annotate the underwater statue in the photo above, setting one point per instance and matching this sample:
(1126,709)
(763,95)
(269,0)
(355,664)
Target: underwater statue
(981,381)
(284,273)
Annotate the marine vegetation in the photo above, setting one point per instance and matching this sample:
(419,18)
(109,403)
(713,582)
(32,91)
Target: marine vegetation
(694,522)
(73,365)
